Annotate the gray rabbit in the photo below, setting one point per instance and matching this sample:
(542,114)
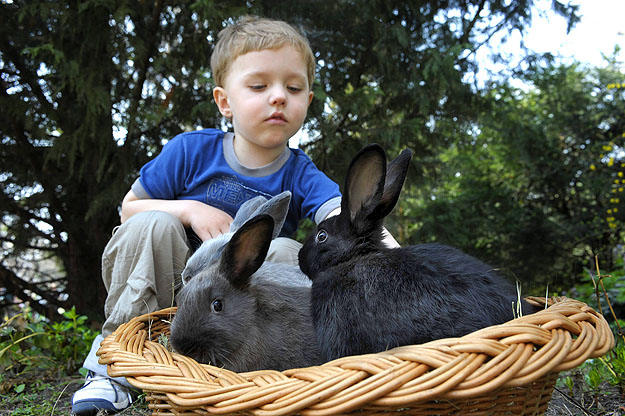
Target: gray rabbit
(239,312)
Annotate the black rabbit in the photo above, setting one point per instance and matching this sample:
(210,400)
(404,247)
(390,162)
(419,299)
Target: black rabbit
(368,298)
(238,311)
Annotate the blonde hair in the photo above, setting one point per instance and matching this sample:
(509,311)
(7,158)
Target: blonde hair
(252,33)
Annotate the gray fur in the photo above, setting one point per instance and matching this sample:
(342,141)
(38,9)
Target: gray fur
(210,250)
(239,312)
(277,207)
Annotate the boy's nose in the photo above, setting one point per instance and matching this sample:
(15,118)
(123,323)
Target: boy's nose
(278,96)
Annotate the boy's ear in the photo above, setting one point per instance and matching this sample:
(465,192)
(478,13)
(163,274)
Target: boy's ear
(221,99)
(310,97)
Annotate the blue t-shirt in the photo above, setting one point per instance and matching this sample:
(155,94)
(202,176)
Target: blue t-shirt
(202,166)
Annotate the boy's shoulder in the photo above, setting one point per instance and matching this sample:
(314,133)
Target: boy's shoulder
(196,142)
(204,134)
(300,156)
(301,161)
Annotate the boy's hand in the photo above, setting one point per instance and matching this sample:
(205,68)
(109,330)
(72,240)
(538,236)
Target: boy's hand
(207,221)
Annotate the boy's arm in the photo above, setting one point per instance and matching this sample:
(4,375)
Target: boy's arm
(388,240)
(206,221)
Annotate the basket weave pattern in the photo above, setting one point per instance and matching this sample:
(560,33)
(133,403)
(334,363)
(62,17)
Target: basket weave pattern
(506,369)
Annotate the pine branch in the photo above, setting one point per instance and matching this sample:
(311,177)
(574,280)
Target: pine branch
(10,206)
(19,287)
(29,77)
(467,31)
(143,66)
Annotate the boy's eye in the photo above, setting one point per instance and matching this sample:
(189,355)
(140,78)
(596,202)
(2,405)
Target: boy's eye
(294,89)
(257,87)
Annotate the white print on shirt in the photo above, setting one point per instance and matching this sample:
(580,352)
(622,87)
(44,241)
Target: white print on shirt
(227,193)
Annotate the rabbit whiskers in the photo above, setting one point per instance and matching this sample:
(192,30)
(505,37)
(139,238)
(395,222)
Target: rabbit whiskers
(219,358)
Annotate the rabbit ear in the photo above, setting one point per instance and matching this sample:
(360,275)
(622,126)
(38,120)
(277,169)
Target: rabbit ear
(395,176)
(277,207)
(247,249)
(372,188)
(246,211)
(365,181)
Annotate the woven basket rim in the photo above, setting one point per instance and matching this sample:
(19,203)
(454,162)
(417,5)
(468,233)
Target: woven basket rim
(525,352)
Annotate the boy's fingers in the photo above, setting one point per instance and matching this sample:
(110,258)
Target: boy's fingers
(213,232)
(225,227)
(204,235)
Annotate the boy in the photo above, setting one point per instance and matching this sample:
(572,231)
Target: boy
(264,70)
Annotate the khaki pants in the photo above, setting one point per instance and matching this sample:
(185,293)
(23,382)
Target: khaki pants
(141,268)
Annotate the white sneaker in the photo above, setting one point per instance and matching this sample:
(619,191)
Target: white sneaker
(100,393)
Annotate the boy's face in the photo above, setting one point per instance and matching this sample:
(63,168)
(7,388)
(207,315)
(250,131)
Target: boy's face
(266,95)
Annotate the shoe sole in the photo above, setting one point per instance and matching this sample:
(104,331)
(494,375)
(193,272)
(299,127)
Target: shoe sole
(92,407)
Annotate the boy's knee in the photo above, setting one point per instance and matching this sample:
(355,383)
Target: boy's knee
(157,221)
(284,250)
(145,226)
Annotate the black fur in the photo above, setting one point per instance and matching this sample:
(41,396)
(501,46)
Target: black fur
(367,298)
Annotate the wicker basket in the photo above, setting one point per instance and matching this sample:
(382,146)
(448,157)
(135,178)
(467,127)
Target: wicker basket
(506,369)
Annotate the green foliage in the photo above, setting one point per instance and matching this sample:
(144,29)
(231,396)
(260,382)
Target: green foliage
(27,400)
(596,288)
(531,187)
(35,395)
(92,90)
(607,292)
(568,382)
(30,344)
(597,372)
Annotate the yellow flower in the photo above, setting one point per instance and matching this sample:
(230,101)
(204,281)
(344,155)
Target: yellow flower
(592,166)
(620,174)
(611,161)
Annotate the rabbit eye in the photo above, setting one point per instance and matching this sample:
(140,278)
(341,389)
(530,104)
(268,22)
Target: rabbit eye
(217,305)
(322,236)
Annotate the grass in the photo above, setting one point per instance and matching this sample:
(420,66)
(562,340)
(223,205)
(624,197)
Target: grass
(34,397)
(24,395)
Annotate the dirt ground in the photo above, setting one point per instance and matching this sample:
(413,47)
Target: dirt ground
(51,396)
(608,402)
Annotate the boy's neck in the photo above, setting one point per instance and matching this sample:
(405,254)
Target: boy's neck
(254,156)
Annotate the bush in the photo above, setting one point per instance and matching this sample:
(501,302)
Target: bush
(29,343)
(606,294)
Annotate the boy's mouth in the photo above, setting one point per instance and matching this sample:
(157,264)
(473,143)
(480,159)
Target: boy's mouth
(277,116)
